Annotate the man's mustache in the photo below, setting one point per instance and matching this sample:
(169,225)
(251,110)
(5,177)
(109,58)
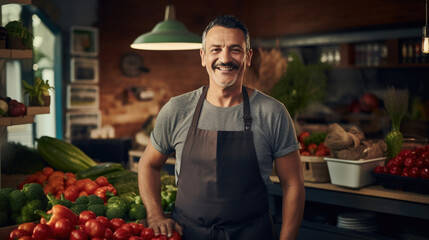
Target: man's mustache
(228,64)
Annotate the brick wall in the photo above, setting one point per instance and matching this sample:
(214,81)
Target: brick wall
(175,72)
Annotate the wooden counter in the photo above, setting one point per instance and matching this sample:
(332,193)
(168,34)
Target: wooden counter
(372,190)
(371,198)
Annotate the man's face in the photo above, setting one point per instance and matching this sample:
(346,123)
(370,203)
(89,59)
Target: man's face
(225,57)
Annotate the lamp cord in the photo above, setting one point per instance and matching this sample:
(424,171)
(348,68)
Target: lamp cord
(426,12)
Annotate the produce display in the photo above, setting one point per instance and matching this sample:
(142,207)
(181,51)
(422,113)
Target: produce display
(69,190)
(312,144)
(408,163)
(62,223)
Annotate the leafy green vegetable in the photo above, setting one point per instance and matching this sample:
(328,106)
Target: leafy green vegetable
(396,104)
(301,85)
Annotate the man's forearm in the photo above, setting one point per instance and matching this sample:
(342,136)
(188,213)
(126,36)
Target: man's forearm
(150,189)
(293,202)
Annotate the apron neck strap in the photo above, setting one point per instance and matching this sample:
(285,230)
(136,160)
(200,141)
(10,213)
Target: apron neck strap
(246,111)
(247,119)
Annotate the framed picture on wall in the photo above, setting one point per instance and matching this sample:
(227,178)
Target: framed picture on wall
(79,124)
(84,41)
(84,70)
(82,96)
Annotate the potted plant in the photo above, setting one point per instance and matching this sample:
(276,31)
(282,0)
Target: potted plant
(18,36)
(38,94)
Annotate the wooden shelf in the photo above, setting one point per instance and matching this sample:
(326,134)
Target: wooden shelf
(9,121)
(32,110)
(16,53)
(15,1)
(372,190)
(29,118)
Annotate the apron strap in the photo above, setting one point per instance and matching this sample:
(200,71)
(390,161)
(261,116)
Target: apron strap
(246,111)
(247,119)
(198,108)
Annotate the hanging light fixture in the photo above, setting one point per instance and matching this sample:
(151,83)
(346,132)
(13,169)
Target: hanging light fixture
(168,35)
(425,38)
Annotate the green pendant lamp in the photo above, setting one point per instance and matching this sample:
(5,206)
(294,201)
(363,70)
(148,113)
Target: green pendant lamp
(168,35)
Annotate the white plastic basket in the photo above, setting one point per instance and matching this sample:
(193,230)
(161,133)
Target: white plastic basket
(353,173)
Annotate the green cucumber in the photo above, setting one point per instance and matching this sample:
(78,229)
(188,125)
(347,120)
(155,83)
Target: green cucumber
(99,170)
(62,155)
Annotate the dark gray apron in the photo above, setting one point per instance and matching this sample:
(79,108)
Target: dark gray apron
(221,194)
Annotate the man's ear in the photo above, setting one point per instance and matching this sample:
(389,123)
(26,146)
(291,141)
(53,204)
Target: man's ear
(202,54)
(249,57)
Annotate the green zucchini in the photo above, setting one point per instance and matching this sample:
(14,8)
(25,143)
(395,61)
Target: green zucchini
(99,170)
(62,155)
(121,176)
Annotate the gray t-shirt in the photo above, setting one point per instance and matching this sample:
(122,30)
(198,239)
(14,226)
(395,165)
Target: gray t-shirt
(273,130)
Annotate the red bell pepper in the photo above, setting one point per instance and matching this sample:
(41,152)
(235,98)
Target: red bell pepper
(105,192)
(58,212)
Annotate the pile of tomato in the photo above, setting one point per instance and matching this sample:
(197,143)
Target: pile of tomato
(60,183)
(408,163)
(85,226)
(312,144)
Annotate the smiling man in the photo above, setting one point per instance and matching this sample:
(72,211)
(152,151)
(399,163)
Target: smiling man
(226,137)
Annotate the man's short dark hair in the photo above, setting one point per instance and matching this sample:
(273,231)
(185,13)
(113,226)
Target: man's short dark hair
(227,21)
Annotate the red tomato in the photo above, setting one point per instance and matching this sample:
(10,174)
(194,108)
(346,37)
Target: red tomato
(78,234)
(80,184)
(425,162)
(409,162)
(83,193)
(102,181)
(105,221)
(381,169)
(127,227)
(90,187)
(398,161)
(17,233)
(147,234)
(414,172)
(94,228)
(71,193)
(136,238)
(42,232)
(312,148)
(424,173)
(405,153)
(136,228)
(419,163)
(395,170)
(85,216)
(121,234)
(108,234)
(27,237)
(305,153)
(405,172)
(160,237)
(175,236)
(303,135)
(28,227)
(62,228)
(321,152)
(117,223)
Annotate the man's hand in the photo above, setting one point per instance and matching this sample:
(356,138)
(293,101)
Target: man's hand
(164,226)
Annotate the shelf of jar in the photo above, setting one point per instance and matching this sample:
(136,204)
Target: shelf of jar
(16,53)
(28,118)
